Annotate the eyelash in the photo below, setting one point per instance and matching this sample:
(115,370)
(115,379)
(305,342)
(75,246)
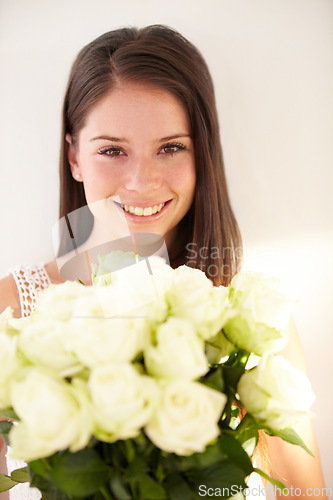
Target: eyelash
(178,145)
(114,149)
(109,149)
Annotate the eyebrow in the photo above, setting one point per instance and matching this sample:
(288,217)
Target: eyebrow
(171,137)
(108,138)
(122,139)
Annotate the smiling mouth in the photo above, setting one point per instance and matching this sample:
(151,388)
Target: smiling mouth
(143,211)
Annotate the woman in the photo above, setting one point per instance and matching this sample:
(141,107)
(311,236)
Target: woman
(141,147)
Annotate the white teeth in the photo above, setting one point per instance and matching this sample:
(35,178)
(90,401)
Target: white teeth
(148,211)
(143,211)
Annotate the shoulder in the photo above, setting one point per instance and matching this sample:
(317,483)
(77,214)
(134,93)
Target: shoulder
(9,296)
(53,273)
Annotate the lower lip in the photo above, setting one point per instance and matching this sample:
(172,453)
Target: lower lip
(142,219)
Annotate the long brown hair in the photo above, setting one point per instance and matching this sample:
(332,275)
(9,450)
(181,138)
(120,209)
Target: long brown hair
(208,236)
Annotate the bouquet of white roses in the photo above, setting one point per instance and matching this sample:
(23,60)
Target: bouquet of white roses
(132,388)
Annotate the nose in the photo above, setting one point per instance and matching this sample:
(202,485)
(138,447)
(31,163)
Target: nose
(144,175)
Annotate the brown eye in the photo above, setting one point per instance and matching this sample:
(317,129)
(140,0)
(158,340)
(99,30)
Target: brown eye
(172,148)
(111,151)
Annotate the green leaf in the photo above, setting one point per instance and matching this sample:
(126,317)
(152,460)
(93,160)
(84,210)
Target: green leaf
(6,483)
(8,414)
(41,467)
(54,494)
(289,435)
(236,454)
(79,474)
(150,489)
(225,476)
(39,471)
(5,428)
(49,491)
(118,487)
(177,488)
(21,475)
(44,484)
(212,455)
(247,434)
(214,379)
(273,481)
(136,469)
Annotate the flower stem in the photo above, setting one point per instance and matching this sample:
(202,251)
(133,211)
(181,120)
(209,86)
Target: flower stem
(238,358)
(106,494)
(243,357)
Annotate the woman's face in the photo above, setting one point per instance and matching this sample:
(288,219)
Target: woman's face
(136,145)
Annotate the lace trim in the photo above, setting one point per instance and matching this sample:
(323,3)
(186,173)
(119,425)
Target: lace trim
(30,281)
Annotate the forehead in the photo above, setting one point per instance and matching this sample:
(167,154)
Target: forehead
(138,109)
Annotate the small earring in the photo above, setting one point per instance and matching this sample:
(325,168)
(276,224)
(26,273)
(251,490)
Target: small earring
(77,176)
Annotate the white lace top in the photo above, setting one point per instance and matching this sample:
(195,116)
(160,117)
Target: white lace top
(30,281)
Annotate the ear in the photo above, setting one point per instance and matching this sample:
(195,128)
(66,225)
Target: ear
(72,159)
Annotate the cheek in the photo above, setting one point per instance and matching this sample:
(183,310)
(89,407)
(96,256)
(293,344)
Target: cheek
(185,180)
(99,183)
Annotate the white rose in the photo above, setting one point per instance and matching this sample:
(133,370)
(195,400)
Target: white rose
(122,401)
(138,287)
(97,341)
(10,325)
(43,343)
(58,301)
(179,352)
(51,417)
(90,305)
(193,296)
(143,287)
(260,314)
(186,417)
(102,274)
(4,317)
(119,300)
(275,392)
(9,364)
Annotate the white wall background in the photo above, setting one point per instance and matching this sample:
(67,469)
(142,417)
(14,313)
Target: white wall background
(272,62)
